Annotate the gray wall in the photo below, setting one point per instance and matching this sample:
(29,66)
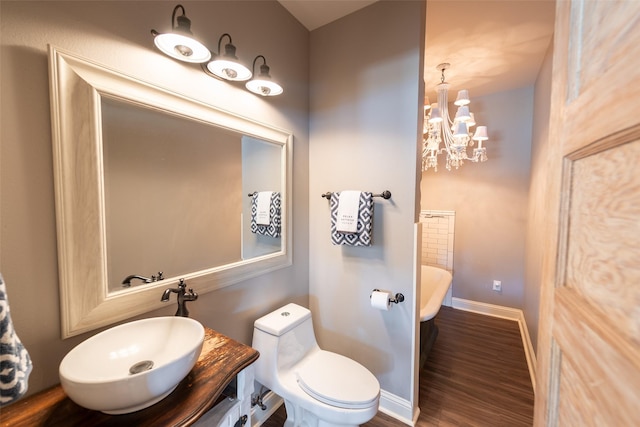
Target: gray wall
(116,34)
(366,97)
(537,191)
(490,200)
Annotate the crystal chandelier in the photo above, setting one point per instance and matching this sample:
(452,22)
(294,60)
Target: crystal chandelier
(454,134)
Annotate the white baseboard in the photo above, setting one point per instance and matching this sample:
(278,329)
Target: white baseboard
(509,313)
(529,353)
(398,408)
(487,309)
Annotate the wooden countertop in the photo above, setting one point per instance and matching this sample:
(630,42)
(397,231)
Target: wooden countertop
(220,361)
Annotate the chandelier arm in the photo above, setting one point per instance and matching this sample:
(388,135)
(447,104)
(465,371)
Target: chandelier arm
(440,136)
(443,104)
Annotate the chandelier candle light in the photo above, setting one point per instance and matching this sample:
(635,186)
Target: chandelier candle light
(454,134)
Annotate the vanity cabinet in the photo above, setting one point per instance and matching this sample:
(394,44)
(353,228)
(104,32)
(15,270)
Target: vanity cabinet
(217,392)
(235,406)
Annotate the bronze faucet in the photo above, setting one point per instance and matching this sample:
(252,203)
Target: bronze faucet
(126,283)
(183,297)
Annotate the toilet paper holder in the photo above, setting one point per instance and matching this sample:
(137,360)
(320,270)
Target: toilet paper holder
(398,298)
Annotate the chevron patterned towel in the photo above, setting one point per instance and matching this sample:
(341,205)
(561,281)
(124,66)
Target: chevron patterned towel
(15,363)
(273,229)
(363,234)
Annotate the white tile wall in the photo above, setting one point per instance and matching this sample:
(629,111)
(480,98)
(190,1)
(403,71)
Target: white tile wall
(437,238)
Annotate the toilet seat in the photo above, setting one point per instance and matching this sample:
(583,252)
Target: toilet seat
(338,381)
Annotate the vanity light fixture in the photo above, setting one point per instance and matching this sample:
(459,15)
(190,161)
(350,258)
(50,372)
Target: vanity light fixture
(439,128)
(179,44)
(263,84)
(227,66)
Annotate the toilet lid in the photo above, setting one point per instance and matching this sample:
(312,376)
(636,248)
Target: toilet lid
(338,381)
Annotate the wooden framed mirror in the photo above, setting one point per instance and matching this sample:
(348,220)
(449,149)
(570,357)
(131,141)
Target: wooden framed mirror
(148,180)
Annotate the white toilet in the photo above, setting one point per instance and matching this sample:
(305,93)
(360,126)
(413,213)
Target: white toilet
(319,388)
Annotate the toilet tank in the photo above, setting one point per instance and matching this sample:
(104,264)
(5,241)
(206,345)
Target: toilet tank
(283,337)
(283,319)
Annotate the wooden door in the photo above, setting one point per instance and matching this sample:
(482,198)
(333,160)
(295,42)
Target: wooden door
(589,346)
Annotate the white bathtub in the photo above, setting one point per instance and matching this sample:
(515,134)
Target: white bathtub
(435,283)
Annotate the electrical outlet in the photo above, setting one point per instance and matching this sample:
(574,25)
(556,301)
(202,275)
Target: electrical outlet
(497,285)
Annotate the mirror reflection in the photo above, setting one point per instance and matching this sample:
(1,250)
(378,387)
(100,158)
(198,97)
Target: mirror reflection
(258,174)
(174,199)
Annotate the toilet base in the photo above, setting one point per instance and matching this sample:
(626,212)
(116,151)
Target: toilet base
(300,417)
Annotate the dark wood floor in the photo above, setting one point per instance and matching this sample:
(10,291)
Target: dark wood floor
(476,375)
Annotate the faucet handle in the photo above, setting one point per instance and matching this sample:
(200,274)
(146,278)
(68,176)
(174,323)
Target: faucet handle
(156,278)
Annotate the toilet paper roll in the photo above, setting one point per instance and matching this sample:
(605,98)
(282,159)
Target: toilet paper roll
(380,300)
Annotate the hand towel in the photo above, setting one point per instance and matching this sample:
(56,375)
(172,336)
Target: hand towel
(15,363)
(348,209)
(272,229)
(364,227)
(263,208)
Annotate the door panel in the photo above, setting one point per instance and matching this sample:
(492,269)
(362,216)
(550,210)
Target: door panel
(589,342)
(604,223)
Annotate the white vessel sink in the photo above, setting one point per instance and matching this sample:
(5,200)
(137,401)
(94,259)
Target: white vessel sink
(131,366)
